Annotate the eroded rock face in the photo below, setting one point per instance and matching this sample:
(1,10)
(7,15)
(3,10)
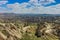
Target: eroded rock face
(39,32)
(8,32)
(48,29)
(1,38)
(12,32)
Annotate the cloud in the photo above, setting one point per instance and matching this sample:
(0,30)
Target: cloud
(22,8)
(3,2)
(42,2)
(18,8)
(4,10)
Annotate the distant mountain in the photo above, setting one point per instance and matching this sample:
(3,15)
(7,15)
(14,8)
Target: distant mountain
(12,14)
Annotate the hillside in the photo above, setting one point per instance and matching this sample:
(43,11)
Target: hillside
(29,27)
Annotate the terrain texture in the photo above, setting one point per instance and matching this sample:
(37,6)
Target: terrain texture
(29,27)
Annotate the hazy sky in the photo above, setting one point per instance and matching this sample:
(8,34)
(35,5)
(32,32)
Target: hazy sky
(30,6)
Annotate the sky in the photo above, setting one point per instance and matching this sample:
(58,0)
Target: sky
(30,6)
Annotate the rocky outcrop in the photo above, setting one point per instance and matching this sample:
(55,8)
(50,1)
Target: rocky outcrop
(9,31)
(49,29)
